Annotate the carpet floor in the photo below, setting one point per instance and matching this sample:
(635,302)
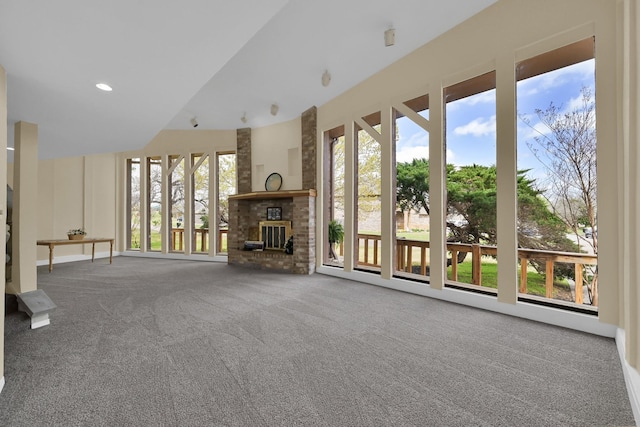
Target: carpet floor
(147,342)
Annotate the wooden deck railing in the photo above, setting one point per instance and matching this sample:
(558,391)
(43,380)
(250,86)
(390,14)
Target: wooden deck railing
(222,232)
(177,239)
(578,259)
(371,245)
(406,252)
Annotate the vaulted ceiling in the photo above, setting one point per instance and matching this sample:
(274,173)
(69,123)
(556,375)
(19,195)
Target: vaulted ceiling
(215,60)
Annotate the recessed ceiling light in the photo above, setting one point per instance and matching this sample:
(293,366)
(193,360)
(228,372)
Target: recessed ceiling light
(104,86)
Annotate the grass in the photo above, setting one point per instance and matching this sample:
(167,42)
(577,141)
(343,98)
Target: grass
(414,235)
(536,282)
(156,241)
(411,235)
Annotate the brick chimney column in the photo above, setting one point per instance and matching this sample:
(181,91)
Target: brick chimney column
(243,160)
(309,135)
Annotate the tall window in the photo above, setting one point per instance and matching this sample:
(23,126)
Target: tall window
(200,200)
(557,206)
(334,195)
(470,135)
(133,204)
(188,216)
(154,203)
(368,191)
(227,185)
(412,187)
(176,202)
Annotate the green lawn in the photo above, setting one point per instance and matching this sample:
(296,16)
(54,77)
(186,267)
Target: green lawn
(535,281)
(410,235)
(156,241)
(414,235)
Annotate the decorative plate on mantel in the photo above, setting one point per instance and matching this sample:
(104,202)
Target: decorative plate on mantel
(273,182)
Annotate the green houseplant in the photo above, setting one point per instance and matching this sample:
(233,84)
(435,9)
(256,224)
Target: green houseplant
(76,233)
(336,235)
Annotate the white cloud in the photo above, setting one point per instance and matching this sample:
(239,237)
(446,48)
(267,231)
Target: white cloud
(414,146)
(406,154)
(413,140)
(478,127)
(451,157)
(543,82)
(480,98)
(525,91)
(584,69)
(539,129)
(574,104)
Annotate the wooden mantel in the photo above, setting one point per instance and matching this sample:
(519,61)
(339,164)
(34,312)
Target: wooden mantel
(257,195)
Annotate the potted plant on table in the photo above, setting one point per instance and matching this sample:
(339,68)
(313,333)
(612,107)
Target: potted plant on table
(76,234)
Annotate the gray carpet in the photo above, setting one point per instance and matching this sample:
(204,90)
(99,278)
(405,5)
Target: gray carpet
(172,343)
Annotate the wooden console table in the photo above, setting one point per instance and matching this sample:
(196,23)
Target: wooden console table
(93,240)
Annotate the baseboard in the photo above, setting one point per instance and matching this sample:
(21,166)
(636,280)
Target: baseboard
(1,384)
(631,376)
(157,255)
(177,256)
(74,258)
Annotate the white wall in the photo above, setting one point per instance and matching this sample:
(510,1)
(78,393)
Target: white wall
(277,148)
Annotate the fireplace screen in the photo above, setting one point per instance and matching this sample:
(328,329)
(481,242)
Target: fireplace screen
(274,234)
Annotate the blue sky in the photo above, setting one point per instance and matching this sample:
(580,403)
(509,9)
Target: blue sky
(471,121)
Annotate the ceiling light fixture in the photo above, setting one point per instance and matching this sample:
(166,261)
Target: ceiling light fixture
(274,109)
(326,78)
(194,122)
(10,148)
(390,37)
(243,119)
(105,87)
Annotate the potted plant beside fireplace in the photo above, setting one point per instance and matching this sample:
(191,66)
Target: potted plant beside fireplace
(336,235)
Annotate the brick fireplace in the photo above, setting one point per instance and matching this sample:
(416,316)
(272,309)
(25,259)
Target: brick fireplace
(248,209)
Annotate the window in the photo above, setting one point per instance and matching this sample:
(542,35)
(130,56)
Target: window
(154,203)
(227,185)
(334,196)
(176,202)
(368,176)
(470,135)
(133,204)
(557,183)
(412,188)
(200,203)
